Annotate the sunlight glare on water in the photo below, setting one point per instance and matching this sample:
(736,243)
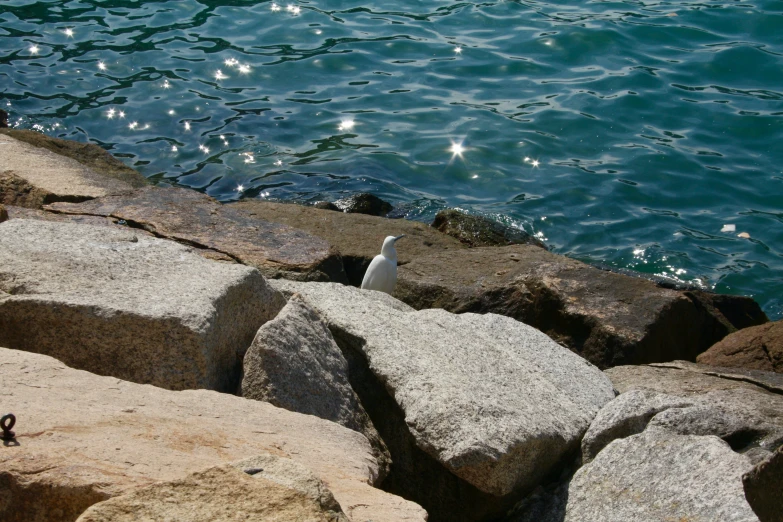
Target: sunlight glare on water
(625,133)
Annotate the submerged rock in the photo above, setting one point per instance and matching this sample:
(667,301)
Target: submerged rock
(37,169)
(485,398)
(478,231)
(294,363)
(756,348)
(357,237)
(364,203)
(82,439)
(184,215)
(218,494)
(116,302)
(608,318)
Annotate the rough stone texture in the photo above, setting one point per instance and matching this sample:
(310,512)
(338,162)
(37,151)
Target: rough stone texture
(115,302)
(656,476)
(290,474)
(364,203)
(763,488)
(746,416)
(492,400)
(82,438)
(627,415)
(3,214)
(358,237)
(219,494)
(478,231)
(188,216)
(610,319)
(36,169)
(756,348)
(294,363)
(325,205)
(770,381)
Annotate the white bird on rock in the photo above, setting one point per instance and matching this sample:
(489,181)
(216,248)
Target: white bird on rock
(381,275)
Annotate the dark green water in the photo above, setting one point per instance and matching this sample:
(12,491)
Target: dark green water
(647,126)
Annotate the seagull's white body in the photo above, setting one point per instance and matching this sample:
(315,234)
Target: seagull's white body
(381,275)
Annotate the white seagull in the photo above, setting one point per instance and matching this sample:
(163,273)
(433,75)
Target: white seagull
(381,275)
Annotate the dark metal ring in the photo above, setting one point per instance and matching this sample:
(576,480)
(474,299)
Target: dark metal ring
(6,423)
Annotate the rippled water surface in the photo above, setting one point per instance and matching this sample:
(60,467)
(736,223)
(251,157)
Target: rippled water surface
(625,133)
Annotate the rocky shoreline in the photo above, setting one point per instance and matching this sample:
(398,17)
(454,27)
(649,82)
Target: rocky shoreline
(159,345)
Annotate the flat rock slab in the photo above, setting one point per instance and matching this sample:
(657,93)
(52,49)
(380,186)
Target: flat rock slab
(188,216)
(36,169)
(659,477)
(116,302)
(82,438)
(608,318)
(218,494)
(294,363)
(358,237)
(493,400)
(755,348)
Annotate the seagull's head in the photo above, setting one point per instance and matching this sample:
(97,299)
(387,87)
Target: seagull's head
(388,249)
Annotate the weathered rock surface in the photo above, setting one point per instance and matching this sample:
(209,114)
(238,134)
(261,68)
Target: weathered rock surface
(627,415)
(218,494)
(3,214)
(768,380)
(763,488)
(82,438)
(478,231)
(748,417)
(756,348)
(36,169)
(358,237)
(364,203)
(656,476)
(294,363)
(610,319)
(184,215)
(494,401)
(115,302)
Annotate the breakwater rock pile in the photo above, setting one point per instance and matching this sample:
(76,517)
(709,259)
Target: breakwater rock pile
(169,357)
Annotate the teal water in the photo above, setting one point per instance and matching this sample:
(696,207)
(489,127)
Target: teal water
(625,133)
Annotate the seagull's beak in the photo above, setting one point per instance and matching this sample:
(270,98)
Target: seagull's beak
(398,237)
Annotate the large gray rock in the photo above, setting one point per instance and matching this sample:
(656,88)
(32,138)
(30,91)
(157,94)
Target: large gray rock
(294,363)
(627,415)
(686,402)
(494,401)
(115,302)
(610,319)
(659,477)
(36,169)
(82,438)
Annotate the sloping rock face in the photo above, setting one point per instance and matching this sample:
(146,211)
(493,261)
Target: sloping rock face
(762,488)
(478,231)
(190,217)
(364,203)
(82,438)
(294,363)
(36,169)
(115,302)
(757,348)
(219,494)
(493,401)
(656,476)
(610,319)
(358,237)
